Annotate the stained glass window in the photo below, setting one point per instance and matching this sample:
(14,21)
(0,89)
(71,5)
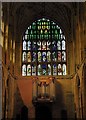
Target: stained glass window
(24,70)
(34,57)
(54,69)
(39,56)
(64,69)
(28,70)
(29,57)
(63,55)
(59,69)
(33,69)
(49,69)
(63,45)
(24,57)
(59,45)
(54,56)
(59,55)
(44,71)
(39,72)
(43,56)
(28,45)
(24,45)
(43,49)
(48,56)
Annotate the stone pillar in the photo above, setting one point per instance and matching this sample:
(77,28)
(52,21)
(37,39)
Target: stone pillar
(52,88)
(34,88)
(0,63)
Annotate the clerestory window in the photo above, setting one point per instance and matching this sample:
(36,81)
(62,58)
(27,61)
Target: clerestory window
(43,49)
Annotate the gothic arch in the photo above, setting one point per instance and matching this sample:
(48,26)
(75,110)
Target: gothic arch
(43,49)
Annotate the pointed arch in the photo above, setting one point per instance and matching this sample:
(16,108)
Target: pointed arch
(44,44)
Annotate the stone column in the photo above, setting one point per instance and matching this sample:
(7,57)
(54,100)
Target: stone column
(52,89)
(34,88)
(0,63)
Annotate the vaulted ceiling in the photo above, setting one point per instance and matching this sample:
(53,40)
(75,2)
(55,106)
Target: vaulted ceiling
(26,13)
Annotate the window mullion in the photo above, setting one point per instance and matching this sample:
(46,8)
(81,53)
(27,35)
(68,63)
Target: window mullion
(43,31)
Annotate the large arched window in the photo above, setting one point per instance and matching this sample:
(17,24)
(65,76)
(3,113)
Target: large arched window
(44,49)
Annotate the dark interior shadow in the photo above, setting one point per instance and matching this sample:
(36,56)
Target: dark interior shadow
(60,101)
(24,113)
(59,95)
(63,114)
(43,111)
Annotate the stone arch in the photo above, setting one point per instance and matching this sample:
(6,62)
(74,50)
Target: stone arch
(44,34)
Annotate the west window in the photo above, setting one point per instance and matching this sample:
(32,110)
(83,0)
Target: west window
(43,49)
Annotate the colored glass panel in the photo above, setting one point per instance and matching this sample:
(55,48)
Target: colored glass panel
(59,56)
(60,31)
(34,45)
(28,70)
(63,55)
(44,69)
(29,45)
(29,57)
(54,56)
(33,69)
(26,32)
(24,45)
(33,56)
(43,56)
(39,70)
(24,57)
(63,45)
(25,37)
(61,36)
(59,45)
(49,69)
(39,45)
(39,56)
(48,45)
(48,56)
(24,70)
(64,69)
(54,46)
(59,69)
(54,69)
(44,45)
(34,26)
